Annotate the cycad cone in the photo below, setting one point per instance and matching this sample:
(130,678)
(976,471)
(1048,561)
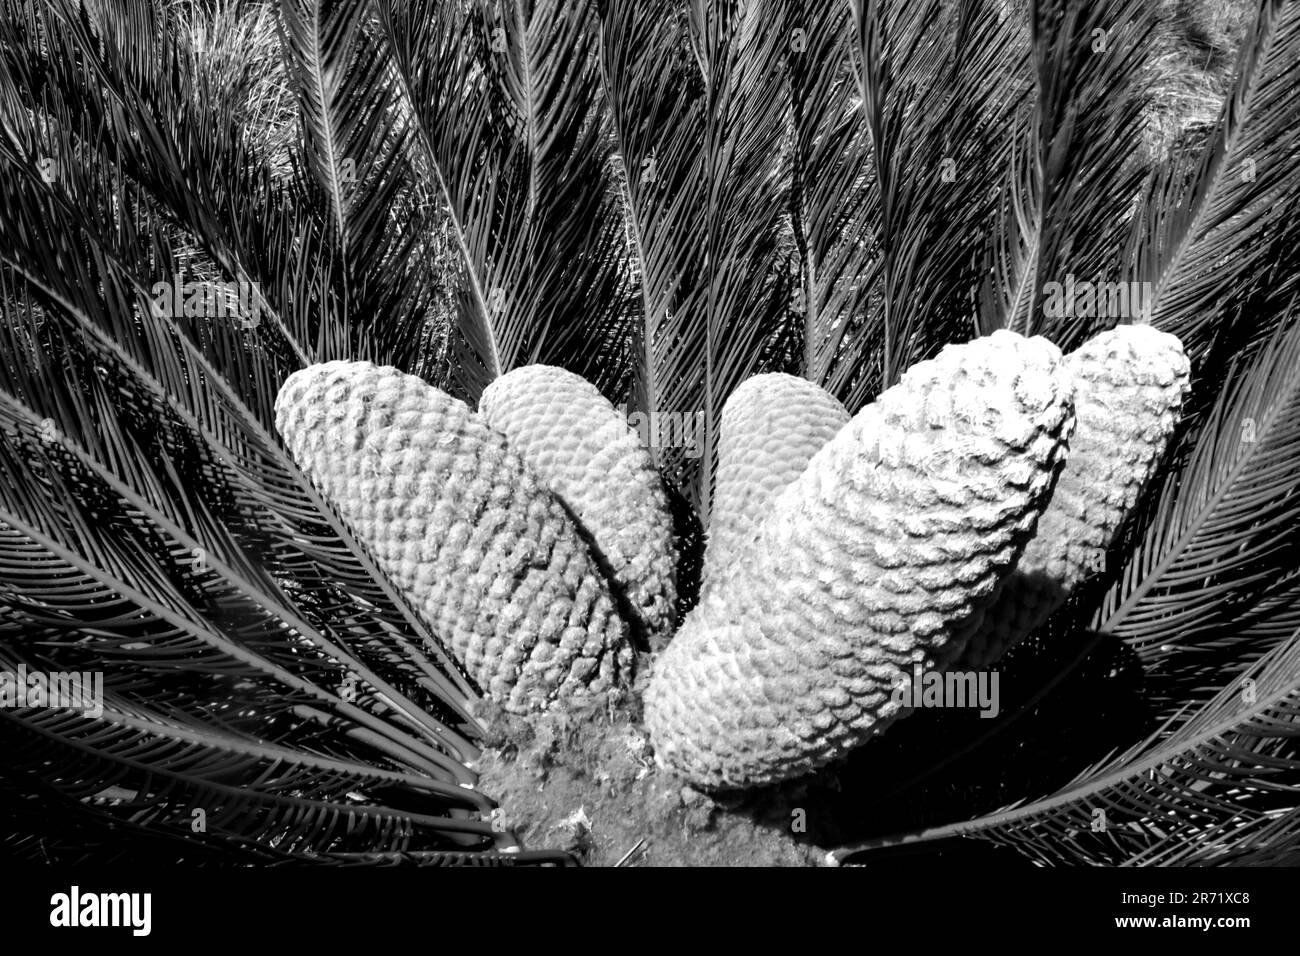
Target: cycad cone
(1130,386)
(463,527)
(882,554)
(771,427)
(579,444)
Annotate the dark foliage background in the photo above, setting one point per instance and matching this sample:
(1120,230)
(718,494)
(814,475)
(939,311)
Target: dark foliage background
(666,197)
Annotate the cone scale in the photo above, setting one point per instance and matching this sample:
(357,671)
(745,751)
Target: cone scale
(464,527)
(578,443)
(1130,384)
(771,427)
(882,554)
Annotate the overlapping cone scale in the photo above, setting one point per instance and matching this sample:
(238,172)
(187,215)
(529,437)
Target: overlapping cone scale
(771,427)
(461,524)
(1130,384)
(579,444)
(882,554)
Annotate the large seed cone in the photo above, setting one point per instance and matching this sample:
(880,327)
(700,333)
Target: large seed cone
(771,427)
(882,554)
(580,445)
(464,527)
(1130,385)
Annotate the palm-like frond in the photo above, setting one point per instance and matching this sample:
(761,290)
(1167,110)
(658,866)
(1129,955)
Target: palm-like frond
(242,72)
(744,296)
(151,525)
(1204,238)
(1202,586)
(357,182)
(665,197)
(1210,603)
(501,104)
(940,89)
(1071,180)
(203,379)
(832,204)
(652,92)
(261,769)
(696,110)
(1212,785)
(1223,538)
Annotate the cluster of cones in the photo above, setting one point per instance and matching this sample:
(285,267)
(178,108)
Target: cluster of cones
(938,526)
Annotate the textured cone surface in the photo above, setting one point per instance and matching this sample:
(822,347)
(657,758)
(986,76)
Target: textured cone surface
(1130,384)
(881,554)
(463,527)
(579,444)
(771,427)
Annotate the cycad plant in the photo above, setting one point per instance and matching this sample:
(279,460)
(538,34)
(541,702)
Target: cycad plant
(411,209)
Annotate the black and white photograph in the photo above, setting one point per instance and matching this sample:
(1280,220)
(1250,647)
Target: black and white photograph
(858,435)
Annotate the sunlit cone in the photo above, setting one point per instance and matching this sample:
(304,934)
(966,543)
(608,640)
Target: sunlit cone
(580,445)
(1130,387)
(883,553)
(771,427)
(461,524)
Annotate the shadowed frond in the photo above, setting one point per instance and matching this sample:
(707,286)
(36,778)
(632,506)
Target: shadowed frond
(152,527)
(666,197)
(264,771)
(1212,785)
(1225,525)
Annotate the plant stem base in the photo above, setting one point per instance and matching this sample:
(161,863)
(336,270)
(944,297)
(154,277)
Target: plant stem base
(587,783)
